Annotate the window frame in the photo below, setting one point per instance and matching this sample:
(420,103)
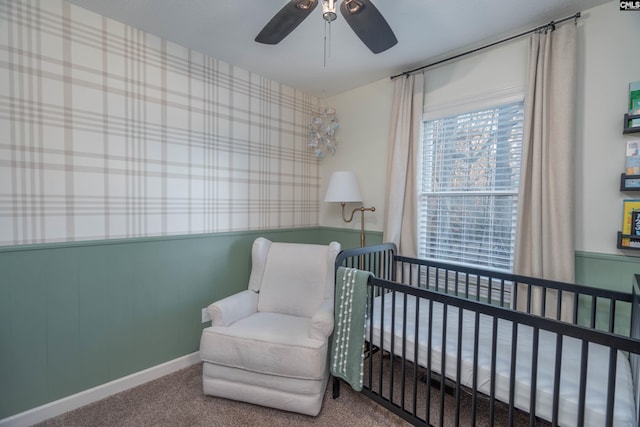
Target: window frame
(470,105)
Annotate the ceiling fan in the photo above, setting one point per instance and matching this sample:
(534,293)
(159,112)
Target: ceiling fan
(361,15)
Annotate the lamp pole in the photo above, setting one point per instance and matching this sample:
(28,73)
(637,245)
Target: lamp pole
(362,210)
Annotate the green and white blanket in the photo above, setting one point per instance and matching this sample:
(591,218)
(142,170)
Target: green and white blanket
(347,349)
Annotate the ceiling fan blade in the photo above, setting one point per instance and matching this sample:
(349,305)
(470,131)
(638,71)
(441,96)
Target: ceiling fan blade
(285,21)
(369,24)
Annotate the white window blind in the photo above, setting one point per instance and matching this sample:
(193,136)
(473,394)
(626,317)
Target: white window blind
(468,186)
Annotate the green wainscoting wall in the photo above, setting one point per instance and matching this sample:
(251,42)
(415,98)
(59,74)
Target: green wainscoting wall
(77,315)
(607,271)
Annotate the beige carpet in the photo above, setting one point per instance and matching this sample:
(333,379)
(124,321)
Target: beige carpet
(177,400)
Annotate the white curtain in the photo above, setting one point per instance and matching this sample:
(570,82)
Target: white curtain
(400,223)
(545,230)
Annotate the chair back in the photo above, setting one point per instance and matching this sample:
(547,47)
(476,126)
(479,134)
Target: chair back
(292,278)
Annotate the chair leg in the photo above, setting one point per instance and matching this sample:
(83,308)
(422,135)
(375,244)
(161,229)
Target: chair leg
(336,388)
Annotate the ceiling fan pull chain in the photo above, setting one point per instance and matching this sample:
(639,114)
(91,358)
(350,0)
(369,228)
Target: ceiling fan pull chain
(329,15)
(324,64)
(327,41)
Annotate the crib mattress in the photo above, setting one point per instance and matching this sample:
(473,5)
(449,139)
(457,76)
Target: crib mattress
(597,371)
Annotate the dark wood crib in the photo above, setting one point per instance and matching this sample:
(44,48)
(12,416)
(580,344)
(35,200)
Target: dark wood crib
(443,342)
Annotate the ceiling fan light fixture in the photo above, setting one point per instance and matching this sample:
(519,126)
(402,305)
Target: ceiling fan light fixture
(306,4)
(329,10)
(353,6)
(362,16)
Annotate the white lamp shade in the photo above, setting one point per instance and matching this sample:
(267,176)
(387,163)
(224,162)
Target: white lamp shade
(343,187)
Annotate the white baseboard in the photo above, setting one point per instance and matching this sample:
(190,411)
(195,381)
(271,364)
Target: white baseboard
(69,403)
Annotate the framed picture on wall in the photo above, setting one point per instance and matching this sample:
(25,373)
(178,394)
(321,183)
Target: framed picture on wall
(631,223)
(632,159)
(634,103)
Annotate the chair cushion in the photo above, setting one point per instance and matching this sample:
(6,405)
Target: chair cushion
(294,279)
(271,382)
(266,343)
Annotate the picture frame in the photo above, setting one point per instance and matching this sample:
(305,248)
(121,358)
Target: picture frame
(630,231)
(634,103)
(629,182)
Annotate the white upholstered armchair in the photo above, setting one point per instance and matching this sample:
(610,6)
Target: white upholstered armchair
(268,345)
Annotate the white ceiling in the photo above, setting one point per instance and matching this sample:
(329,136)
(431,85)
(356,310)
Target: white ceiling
(426,30)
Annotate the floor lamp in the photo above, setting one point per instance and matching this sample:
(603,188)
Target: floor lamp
(343,188)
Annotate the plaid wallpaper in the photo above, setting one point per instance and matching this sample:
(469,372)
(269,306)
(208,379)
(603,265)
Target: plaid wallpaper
(109,132)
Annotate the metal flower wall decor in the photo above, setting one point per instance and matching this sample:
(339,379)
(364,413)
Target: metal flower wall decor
(322,132)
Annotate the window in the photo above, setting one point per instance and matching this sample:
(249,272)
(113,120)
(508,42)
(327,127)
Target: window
(468,182)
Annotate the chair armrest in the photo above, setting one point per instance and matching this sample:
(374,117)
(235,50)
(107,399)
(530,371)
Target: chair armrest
(233,308)
(322,321)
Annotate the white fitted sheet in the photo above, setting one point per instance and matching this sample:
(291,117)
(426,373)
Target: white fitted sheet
(597,371)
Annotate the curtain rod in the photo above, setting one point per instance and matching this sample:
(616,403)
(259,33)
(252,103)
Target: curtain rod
(542,27)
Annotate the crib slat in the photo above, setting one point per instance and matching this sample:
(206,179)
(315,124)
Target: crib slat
(392,348)
(534,377)
(556,381)
(611,385)
(388,266)
(406,273)
(411,274)
(474,391)
(368,338)
(443,360)
(612,316)
(381,365)
(512,372)
(373,263)
(370,319)
(403,361)
(457,275)
(416,348)
(458,367)
(584,354)
(429,347)
(492,390)
(466,286)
